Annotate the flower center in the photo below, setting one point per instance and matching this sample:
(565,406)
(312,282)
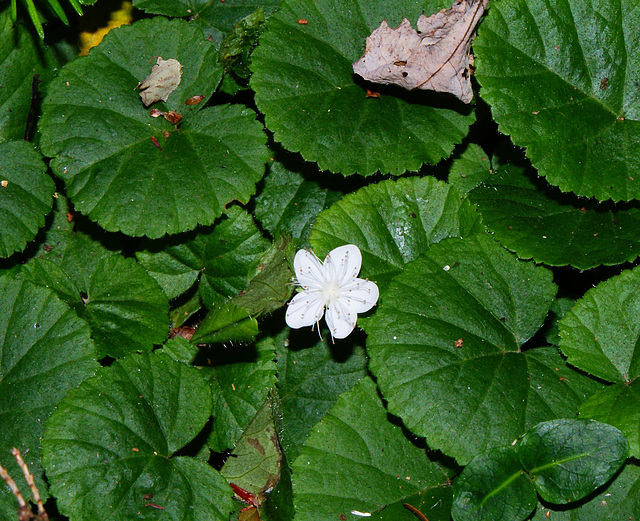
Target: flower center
(331,292)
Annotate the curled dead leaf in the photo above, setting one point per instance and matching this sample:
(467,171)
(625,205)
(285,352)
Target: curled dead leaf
(164,79)
(435,57)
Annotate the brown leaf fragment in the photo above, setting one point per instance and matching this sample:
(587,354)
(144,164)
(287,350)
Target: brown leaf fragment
(435,57)
(164,79)
(172,117)
(194,100)
(156,143)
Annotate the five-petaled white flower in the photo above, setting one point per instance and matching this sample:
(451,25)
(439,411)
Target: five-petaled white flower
(333,285)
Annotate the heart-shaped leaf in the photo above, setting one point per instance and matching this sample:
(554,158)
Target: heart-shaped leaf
(568,459)
(445,341)
(109,449)
(125,307)
(139,174)
(600,333)
(393,222)
(554,91)
(26,195)
(305,85)
(45,351)
(358,461)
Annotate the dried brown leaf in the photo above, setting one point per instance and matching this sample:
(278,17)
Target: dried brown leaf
(435,57)
(164,79)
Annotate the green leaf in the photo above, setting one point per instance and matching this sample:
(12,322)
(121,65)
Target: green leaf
(271,287)
(619,500)
(568,459)
(393,222)
(226,322)
(558,309)
(310,379)
(26,195)
(279,506)
(125,307)
(101,136)
(255,464)
(537,222)
(183,312)
(171,7)
(470,169)
(305,86)
(554,91)
(600,333)
(358,460)
(218,18)
(110,443)
(227,255)
(45,272)
(493,486)
(235,50)
(225,15)
(45,351)
(444,346)
(180,349)
(78,249)
(617,405)
(290,201)
(240,382)
(23,56)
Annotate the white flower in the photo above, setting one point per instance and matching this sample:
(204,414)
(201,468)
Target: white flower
(333,285)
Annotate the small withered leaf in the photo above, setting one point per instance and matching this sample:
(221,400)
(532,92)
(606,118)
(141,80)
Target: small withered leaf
(164,79)
(435,57)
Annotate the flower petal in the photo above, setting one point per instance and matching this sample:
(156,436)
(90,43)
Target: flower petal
(308,270)
(340,319)
(305,309)
(360,296)
(342,264)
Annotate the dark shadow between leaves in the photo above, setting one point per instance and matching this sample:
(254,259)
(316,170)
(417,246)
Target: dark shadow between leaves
(448,464)
(197,444)
(427,98)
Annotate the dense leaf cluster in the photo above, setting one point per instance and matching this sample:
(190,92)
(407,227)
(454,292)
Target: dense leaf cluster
(145,262)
